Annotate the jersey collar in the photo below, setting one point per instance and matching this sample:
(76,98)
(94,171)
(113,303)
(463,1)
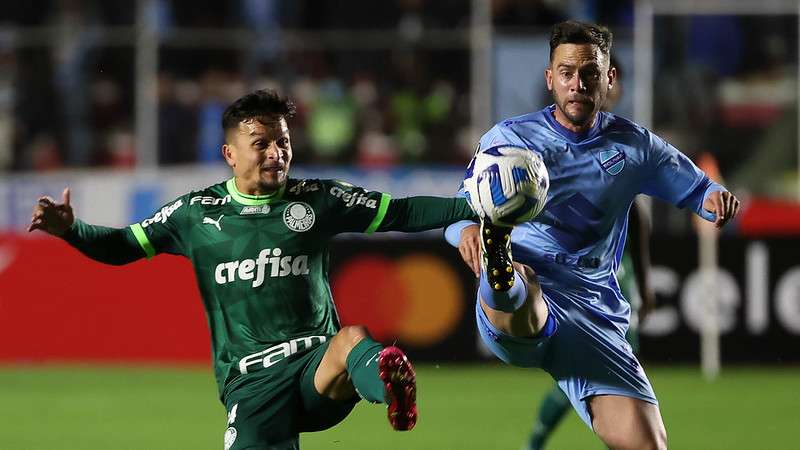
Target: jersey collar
(571,136)
(252,200)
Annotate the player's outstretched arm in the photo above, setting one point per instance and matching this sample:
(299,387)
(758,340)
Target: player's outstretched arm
(723,205)
(108,245)
(425,213)
(412,214)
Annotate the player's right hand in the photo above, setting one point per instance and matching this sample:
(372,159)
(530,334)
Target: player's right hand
(470,248)
(52,217)
(724,205)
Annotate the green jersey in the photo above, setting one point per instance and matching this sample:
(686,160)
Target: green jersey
(261,262)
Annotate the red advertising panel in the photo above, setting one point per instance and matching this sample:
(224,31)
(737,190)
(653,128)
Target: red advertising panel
(56,304)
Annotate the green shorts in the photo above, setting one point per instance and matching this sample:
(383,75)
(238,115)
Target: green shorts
(268,409)
(626,279)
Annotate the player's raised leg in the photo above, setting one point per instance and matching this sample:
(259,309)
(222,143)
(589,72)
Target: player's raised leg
(624,423)
(354,363)
(509,293)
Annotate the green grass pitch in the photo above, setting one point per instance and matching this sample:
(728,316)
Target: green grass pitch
(461,407)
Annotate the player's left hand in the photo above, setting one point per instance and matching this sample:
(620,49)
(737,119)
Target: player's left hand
(470,248)
(51,217)
(724,204)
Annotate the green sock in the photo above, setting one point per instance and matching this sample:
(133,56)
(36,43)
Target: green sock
(551,411)
(362,365)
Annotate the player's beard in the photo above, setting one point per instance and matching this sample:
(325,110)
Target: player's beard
(272,176)
(273,182)
(578,119)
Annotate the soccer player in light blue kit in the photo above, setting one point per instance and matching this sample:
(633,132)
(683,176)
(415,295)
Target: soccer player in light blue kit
(561,309)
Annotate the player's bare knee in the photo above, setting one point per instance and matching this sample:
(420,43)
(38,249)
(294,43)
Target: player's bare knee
(655,432)
(635,438)
(648,442)
(351,335)
(343,342)
(660,438)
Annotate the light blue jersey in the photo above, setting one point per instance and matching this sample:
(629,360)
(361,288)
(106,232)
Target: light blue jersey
(575,244)
(578,239)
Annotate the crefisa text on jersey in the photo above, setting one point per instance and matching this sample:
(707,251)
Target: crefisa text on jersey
(163,215)
(353,199)
(279,266)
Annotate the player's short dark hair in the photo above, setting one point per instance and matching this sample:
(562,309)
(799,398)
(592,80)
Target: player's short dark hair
(264,103)
(574,32)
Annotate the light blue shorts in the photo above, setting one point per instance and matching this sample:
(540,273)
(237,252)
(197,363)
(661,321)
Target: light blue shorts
(585,356)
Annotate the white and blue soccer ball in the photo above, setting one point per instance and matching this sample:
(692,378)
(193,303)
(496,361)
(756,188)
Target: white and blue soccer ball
(506,185)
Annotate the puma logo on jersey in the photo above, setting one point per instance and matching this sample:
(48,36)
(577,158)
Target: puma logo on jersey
(270,263)
(210,221)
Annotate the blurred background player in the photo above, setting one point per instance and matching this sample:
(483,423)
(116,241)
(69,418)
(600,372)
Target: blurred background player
(633,277)
(569,317)
(258,244)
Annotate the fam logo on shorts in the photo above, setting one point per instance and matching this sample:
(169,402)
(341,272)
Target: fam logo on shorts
(298,216)
(613,161)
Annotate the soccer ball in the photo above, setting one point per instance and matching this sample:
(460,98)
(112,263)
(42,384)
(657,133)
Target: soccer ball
(506,185)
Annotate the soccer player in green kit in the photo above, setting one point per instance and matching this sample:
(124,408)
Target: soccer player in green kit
(259,246)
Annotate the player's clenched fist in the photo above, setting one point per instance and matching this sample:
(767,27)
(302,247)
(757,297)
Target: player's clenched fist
(52,217)
(724,204)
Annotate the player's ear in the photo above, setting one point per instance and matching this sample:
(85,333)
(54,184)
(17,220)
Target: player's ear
(228,154)
(612,76)
(548,78)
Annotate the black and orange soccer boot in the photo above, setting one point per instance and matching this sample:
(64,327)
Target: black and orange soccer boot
(496,250)
(400,382)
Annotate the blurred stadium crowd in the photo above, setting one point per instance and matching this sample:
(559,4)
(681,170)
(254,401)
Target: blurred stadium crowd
(68,98)
(377,84)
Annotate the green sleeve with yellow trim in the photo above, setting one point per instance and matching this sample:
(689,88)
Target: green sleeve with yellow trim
(116,246)
(422,213)
(349,208)
(164,231)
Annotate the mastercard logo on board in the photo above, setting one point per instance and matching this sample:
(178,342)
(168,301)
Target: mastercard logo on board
(416,298)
